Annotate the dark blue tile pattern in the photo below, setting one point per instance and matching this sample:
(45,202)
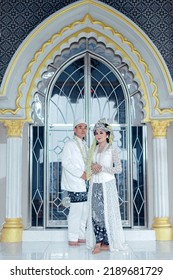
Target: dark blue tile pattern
(18,18)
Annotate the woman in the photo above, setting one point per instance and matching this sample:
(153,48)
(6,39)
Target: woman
(104,229)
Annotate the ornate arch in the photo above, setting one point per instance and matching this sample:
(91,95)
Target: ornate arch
(65,26)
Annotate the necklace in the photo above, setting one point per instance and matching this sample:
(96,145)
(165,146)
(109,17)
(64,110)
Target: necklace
(84,157)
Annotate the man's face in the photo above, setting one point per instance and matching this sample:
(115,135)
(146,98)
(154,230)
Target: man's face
(80,130)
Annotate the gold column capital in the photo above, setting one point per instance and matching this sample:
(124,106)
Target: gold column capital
(159,128)
(14,127)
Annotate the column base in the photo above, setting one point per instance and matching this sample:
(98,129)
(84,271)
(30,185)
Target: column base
(163,229)
(12,230)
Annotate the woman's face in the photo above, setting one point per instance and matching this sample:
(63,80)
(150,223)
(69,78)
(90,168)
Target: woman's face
(100,136)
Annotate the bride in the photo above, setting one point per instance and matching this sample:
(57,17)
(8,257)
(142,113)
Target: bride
(104,228)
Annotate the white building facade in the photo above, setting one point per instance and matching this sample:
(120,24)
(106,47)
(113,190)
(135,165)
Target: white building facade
(86,60)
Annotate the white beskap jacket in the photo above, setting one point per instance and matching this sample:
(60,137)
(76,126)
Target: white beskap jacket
(73,166)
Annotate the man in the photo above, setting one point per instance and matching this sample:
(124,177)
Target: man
(74,158)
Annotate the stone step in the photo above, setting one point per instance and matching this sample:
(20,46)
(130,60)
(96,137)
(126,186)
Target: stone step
(61,235)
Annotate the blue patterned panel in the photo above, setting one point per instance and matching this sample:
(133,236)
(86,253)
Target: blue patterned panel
(18,18)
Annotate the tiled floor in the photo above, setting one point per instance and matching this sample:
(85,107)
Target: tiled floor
(137,250)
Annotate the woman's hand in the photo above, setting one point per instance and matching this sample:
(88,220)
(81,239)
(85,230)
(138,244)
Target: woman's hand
(96,168)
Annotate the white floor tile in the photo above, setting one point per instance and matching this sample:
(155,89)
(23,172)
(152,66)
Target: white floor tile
(53,250)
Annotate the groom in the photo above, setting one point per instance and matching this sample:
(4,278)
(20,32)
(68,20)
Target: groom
(74,159)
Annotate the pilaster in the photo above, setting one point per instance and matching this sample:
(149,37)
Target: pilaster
(161,224)
(12,227)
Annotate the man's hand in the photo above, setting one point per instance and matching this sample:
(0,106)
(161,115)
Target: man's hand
(84,176)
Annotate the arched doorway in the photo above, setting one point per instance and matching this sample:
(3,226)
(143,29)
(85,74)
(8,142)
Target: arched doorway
(88,80)
(31,72)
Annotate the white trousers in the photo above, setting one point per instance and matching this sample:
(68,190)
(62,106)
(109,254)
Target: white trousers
(77,219)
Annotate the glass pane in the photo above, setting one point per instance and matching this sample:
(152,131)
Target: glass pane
(123,179)
(58,205)
(138,177)
(66,104)
(107,97)
(108,101)
(67,100)
(37,176)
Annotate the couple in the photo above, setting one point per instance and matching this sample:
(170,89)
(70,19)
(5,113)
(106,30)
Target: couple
(94,216)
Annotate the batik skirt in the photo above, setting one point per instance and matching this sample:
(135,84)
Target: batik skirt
(98,219)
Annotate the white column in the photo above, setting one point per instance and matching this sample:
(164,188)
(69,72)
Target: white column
(12,227)
(161,223)
(14,177)
(160,165)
